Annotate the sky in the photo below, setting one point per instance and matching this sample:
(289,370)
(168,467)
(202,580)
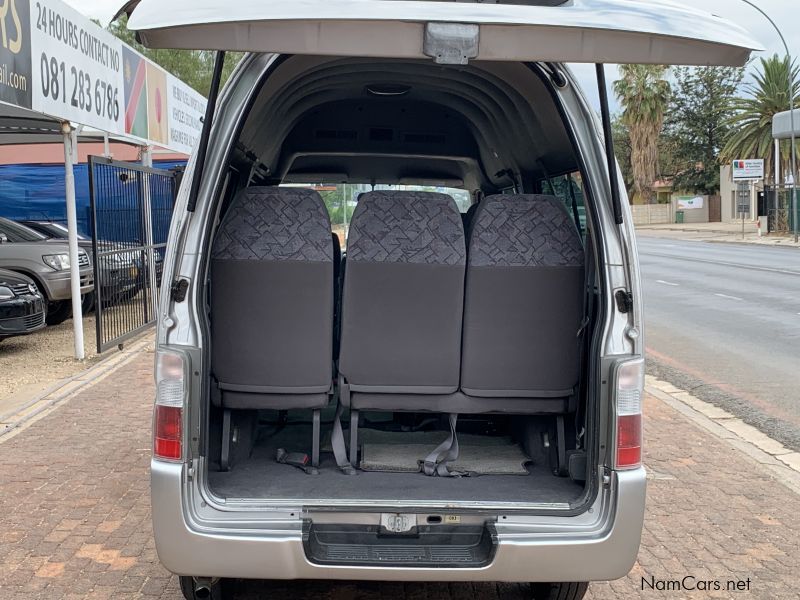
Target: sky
(786,13)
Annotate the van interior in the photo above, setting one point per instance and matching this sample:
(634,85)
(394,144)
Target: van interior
(400,290)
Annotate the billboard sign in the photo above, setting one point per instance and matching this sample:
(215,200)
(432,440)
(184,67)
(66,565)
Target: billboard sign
(16,79)
(744,170)
(55,61)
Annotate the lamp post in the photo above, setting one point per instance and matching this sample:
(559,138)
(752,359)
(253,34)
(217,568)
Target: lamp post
(793,166)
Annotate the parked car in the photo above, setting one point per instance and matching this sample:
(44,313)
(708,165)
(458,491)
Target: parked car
(120,265)
(26,251)
(511,336)
(21,305)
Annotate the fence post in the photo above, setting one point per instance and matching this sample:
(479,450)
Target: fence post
(147,206)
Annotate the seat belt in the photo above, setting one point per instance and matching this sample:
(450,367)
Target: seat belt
(435,464)
(337,442)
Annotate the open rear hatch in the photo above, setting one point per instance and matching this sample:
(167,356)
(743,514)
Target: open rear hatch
(590,31)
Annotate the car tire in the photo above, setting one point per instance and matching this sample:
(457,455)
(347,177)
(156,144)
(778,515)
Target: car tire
(190,591)
(58,312)
(559,591)
(87,303)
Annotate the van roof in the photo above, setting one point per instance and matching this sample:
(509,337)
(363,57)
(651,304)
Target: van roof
(592,31)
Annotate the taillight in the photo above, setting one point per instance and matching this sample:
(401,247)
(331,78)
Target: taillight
(629,391)
(168,415)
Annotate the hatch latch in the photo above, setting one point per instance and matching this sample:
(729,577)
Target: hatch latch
(451,43)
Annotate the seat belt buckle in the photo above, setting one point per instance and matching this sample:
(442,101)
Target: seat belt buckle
(295,459)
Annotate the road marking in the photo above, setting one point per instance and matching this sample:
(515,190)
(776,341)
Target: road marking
(666,282)
(729,297)
(722,263)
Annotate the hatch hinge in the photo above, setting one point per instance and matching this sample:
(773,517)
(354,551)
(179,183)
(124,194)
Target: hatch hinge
(451,43)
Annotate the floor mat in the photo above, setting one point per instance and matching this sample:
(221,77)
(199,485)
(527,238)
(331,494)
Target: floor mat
(485,459)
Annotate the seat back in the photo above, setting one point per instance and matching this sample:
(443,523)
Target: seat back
(272,297)
(524,299)
(403,294)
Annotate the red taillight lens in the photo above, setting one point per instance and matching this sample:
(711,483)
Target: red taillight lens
(167,432)
(629,384)
(170,397)
(629,441)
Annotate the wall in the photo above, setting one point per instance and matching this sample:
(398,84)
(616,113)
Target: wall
(651,214)
(691,215)
(37,192)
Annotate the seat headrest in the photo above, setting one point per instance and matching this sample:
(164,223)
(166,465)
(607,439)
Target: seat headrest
(407,227)
(272,223)
(524,230)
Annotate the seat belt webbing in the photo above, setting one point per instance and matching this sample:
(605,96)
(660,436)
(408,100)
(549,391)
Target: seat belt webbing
(337,443)
(435,464)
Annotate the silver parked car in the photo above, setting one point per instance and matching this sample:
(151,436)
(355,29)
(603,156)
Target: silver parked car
(458,397)
(46,262)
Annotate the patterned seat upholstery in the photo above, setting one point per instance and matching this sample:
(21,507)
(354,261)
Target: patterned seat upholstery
(403,298)
(272,289)
(523,301)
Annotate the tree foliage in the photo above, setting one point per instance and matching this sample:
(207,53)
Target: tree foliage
(644,95)
(194,67)
(750,121)
(697,125)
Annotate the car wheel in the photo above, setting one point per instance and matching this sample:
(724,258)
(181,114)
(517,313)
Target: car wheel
(191,590)
(559,591)
(58,312)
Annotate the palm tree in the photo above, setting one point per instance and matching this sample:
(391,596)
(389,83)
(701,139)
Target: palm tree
(644,95)
(751,121)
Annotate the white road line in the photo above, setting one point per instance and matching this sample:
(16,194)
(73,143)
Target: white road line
(667,282)
(729,297)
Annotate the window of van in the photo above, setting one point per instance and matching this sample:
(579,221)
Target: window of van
(569,189)
(341,199)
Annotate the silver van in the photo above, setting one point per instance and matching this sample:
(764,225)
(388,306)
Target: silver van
(445,383)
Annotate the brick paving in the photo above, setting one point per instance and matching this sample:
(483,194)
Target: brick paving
(75,521)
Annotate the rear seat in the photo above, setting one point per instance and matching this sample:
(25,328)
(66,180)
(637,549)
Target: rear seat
(402,304)
(523,306)
(272,305)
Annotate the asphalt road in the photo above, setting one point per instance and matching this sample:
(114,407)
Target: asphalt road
(723,320)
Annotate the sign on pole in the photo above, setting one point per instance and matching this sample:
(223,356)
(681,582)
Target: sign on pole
(55,61)
(749,169)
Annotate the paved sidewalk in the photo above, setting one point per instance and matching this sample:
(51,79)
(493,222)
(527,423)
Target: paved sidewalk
(75,521)
(716,232)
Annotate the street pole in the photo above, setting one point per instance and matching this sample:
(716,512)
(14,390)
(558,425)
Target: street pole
(793,166)
(70,141)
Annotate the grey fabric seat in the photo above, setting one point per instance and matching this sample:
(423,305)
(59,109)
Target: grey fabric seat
(272,301)
(402,305)
(403,295)
(523,306)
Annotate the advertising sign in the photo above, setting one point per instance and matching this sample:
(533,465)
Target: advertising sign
(690,202)
(55,61)
(77,67)
(16,79)
(748,169)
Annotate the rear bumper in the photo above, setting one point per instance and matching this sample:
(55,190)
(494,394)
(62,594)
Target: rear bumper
(597,546)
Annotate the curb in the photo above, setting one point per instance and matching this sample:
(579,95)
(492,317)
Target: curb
(51,398)
(782,462)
